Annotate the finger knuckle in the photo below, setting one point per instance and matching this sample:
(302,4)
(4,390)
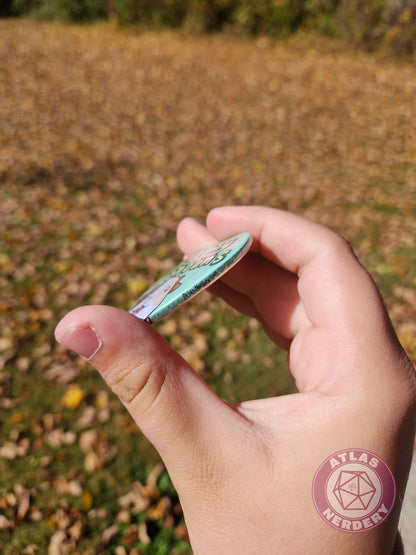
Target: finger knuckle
(140,382)
(339,245)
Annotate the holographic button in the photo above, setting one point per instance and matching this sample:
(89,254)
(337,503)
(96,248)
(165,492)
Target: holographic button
(190,277)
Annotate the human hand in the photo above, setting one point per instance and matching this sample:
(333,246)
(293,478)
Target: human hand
(244,473)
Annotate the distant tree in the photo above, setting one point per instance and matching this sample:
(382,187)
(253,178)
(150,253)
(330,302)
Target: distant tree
(6,7)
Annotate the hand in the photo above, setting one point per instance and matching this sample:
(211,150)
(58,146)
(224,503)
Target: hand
(244,473)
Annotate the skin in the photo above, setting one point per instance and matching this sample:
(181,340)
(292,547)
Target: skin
(244,473)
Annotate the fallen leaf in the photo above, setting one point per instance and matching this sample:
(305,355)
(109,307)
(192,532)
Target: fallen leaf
(87,417)
(22,506)
(158,511)
(87,440)
(59,543)
(75,531)
(108,535)
(55,438)
(87,499)
(154,475)
(5,523)
(10,450)
(73,397)
(143,535)
(91,462)
(136,499)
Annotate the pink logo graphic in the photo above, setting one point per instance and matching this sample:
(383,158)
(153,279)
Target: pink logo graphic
(354,490)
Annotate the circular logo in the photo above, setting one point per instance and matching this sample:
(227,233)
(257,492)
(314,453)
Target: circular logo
(354,490)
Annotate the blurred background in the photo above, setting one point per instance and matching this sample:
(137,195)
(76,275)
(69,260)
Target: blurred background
(117,119)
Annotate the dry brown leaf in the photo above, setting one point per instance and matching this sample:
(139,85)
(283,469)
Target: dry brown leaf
(10,450)
(55,438)
(5,523)
(88,417)
(91,462)
(75,531)
(136,498)
(87,440)
(154,475)
(59,543)
(158,511)
(30,549)
(143,535)
(108,535)
(22,506)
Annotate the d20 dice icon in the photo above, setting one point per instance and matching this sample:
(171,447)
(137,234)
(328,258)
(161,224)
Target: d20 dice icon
(354,489)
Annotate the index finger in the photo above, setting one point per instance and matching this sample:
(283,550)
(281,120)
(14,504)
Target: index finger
(334,288)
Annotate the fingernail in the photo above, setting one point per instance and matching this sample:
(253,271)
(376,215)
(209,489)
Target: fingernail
(84,341)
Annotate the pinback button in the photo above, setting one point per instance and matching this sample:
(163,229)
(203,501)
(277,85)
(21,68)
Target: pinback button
(190,277)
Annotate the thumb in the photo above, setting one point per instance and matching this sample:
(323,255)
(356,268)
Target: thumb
(171,404)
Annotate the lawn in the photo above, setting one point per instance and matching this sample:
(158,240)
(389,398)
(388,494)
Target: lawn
(107,139)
